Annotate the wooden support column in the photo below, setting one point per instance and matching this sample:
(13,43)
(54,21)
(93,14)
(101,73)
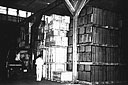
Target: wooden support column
(75,19)
(70,6)
(75,8)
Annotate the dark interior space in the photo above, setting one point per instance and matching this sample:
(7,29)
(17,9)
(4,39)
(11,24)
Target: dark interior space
(124,12)
(8,40)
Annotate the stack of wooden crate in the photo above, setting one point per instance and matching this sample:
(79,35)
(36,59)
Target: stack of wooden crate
(57,42)
(98,47)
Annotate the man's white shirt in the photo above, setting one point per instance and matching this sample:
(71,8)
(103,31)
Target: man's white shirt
(39,62)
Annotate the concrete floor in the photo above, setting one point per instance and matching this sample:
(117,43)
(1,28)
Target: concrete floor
(28,79)
(30,82)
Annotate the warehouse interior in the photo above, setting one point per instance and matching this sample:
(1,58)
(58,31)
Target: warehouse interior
(33,14)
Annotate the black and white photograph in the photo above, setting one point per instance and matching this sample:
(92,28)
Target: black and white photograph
(63,42)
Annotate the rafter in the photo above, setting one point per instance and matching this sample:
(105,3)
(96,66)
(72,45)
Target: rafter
(70,6)
(48,8)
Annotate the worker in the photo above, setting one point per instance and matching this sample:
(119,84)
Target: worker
(39,67)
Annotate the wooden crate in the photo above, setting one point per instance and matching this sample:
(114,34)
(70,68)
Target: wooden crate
(98,54)
(57,54)
(94,15)
(100,73)
(62,76)
(98,35)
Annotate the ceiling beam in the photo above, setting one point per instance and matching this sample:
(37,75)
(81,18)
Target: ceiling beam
(48,8)
(80,6)
(69,6)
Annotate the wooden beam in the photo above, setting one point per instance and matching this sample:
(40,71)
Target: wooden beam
(75,29)
(48,8)
(74,76)
(75,11)
(80,7)
(70,6)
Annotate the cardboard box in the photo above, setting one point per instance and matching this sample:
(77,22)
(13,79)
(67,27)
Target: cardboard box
(62,76)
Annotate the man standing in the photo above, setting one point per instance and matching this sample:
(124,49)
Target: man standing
(39,68)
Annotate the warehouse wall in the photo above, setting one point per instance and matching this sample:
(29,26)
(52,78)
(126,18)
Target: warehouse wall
(8,37)
(125,28)
(125,39)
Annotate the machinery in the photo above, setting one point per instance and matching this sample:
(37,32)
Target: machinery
(17,62)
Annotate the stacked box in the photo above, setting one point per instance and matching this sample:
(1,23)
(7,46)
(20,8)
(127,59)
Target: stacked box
(99,54)
(97,16)
(57,42)
(98,47)
(101,73)
(57,32)
(53,67)
(96,35)
(58,54)
(62,76)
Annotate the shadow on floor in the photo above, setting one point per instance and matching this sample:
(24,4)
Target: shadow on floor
(26,79)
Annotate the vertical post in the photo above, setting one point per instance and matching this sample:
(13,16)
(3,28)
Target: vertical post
(75,7)
(75,19)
